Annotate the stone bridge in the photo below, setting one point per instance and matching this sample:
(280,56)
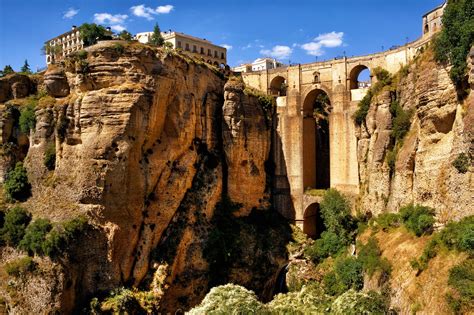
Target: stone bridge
(311,155)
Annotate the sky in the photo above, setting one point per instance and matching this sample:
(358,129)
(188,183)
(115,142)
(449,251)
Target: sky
(298,31)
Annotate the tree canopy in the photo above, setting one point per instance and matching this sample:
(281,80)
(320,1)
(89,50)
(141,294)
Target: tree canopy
(156,39)
(92,33)
(26,68)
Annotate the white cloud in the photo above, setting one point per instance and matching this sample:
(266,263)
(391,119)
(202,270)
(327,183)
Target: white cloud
(247,47)
(228,47)
(107,18)
(118,28)
(327,40)
(147,12)
(164,9)
(279,52)
(70,13)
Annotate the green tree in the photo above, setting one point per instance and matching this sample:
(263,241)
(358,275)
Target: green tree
(25,69)
(156,39)
(16,221)
(92,33)
(27,119)
(35,236)
(125,35)
(336,214)
(456,38)
(7,70)
(16,184)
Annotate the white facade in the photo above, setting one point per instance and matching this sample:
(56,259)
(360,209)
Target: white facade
(260,64)
(63,45)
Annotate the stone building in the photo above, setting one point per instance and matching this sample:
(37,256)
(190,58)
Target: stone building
(190,45)
(62,45)
(432,21)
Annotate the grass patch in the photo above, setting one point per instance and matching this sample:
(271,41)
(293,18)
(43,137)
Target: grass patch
(461,279)
(462,163)
(418,219)
(20,267)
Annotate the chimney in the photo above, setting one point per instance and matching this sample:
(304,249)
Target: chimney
(73,27)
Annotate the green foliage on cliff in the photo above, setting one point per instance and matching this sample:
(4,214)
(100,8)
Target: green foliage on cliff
(156,39)
(329,245)
(49,159)
(347,275)
(336,214)
(461,279)
(14,227)
(311,299)
(16,184)
(62,235)
(370,256)
(462,163)
(6,71)
(354,303)
(92,33)
(20,266)
(35,235)
(400,121)
(418,219)
(28,118)
(456,38)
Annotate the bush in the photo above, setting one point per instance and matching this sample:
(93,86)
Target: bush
(387,221)
(311,299)
(50,157)
(456,38)
(355,303)
(330,244)
(401,121)
(119,49)
(335,211)
(461,278)
(59,238)
(16,221)
(391,159)
(35,236)
(462,162)
(16,184)
(363,109)
(347,275)
(370,257)
(229,299)
(27,119)
(418,219)
(122,301)
(20,267)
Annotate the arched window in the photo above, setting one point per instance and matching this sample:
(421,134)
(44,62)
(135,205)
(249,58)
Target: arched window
(316,77)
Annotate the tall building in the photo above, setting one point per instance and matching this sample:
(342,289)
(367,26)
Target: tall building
(432,21)
(62,45)
(190,45)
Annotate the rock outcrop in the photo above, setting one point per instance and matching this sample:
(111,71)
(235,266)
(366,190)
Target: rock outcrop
(423,172)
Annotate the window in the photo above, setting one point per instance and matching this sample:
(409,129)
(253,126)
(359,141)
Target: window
(187,47)
(215,54)
(202,50)
(222,56)
(179,44)
(209,52)
(194,49)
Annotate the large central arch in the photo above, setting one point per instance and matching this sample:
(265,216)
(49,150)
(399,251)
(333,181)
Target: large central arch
(278,86)
(316,157)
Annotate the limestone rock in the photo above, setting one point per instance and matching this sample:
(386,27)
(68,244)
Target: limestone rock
(55,82)
(16,86)
(247,147)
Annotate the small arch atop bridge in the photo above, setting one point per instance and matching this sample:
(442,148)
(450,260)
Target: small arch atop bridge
(316,77)
(278,86)
(313,224)
(360,77)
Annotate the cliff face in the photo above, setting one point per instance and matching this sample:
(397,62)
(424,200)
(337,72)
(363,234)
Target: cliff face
(423,172)
(140,144)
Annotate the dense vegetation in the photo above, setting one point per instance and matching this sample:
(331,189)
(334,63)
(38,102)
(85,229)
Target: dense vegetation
(16,184)
(92,33)
(456,38)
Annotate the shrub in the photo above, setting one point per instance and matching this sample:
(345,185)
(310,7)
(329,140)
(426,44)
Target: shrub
(347,275)
(418,219)
(27,118)
(330,244)
(363,109)
(20,267)
(16,184)
(461,278)
(370,257)
(16,221)
(388,220)
(462,162)
(91,33)
(311,299)
(354,303)
(456,38)
(391,159)
(59,238)
(229,299)
(122,301)
(35,236)
(50,157)
(119,49)
(401,121)
(335,211)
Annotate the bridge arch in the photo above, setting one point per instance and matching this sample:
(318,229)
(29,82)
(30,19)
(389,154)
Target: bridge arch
(316,151)
(278,86)
(313,224)
(354,76)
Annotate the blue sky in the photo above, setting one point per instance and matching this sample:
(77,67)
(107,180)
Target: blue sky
(299,31)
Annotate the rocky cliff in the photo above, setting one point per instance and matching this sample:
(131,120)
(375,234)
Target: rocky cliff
(422,171)
(147,142)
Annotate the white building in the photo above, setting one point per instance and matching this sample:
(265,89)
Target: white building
(62,45)
(190,45)
(260,64)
